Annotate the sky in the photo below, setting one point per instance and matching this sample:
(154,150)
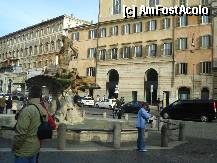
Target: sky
(18,14)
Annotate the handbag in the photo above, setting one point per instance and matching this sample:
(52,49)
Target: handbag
(44,129)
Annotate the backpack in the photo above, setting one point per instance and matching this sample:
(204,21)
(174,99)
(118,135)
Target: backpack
(44,129)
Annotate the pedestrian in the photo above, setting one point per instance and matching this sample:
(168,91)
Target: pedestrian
(142,119)
(158,104)
(2,104)
(8,105)
(26,144)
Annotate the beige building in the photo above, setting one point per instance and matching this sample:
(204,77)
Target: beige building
(149,57)
(32,48)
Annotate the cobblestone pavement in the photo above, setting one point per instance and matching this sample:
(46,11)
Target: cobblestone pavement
(193,151)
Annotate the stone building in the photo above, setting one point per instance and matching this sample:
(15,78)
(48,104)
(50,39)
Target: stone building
(149,57)
(33,48)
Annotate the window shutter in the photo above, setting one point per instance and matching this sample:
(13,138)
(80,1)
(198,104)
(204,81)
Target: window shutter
(186,20)
(147,26)
(199,68)
(110,31)
(117,30)
(122,29)
(78,36)
(88,53)
(87,71)
(121,53)
(178,21)
(162,24)
(177,69)
(209,19)
(200,41)
(134,28)
(146,50)
(155,23)
(161,49)
(108,54)
(169,22)
(88,34)
(132,52)
(210,41)
(177,44)
(199,19)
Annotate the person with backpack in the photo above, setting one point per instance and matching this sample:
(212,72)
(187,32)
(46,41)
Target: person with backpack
(26,144)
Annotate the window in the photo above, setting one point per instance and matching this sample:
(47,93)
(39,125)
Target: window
(153,3)
(92,34)
(114,31)
(167,49)
(102,32)
(36,50)
(204,2)
(114,53)
(91,53)
(91,71)
(166,23)
(102,54)
(58,45)
(42,32)
(182,43)
(30,50)
(138,27)
(206,67)
(41,48)
(126,29)
(152,50)
(138,51)
(183,2)
(205,41)
(126,52)
(75,36)
(205,19)
(184,93)
(183,68)
(182,21)
(152,25)
(116,7)
(48,29)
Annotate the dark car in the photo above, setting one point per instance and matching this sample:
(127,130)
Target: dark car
(203,110)
(131,107)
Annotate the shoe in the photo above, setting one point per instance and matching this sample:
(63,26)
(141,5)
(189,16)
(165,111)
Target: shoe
(143,150)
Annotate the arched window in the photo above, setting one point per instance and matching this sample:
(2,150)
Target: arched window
(184,93)
(58,44)
(36,50)
(205,94)
(30,50)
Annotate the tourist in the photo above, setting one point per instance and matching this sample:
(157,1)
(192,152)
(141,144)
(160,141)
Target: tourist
(2,104)
(142,119)
(26,144)
(8,105)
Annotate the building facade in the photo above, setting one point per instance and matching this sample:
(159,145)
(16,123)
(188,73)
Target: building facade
(32,48)
(150,57)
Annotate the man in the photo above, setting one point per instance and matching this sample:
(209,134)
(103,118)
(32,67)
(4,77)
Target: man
(26,144)
(2,104)
(142,119)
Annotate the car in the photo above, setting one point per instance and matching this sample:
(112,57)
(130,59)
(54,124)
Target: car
(107,103)
(203,110)
(131,107)
(87,101)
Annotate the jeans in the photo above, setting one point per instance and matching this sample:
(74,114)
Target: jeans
(31,159)
(140,139)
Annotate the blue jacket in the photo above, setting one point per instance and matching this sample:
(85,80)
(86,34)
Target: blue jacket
(142,118)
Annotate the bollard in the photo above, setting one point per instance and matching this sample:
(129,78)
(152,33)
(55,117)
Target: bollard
(104,115)
(181,131)
(169,124)
(117,135)
(83,114)
(164,136)
(158,123)
(61,136)
(126,117)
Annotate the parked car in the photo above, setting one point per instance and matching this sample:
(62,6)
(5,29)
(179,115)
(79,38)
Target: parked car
(87,101)
(203,110)
(107,103)
(131,107)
